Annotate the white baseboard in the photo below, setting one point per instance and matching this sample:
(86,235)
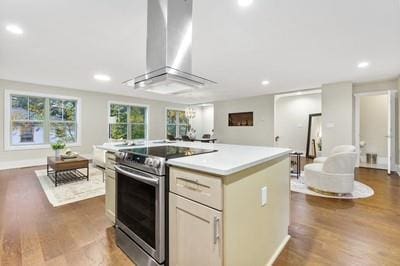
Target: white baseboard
(380,159)
(29,163)
(278,251)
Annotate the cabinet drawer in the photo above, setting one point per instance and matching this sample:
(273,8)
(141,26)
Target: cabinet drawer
(203,188)
(110,165)
(110,156)
(110,173)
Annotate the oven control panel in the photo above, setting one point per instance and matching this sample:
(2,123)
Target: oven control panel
(152,162)
(143,162)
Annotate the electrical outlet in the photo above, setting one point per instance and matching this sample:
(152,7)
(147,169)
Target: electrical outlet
(264,196)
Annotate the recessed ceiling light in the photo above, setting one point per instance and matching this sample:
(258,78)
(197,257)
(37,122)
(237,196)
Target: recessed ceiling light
(102,77)
(244,3)
(265,82)
(14,29)
(363,64)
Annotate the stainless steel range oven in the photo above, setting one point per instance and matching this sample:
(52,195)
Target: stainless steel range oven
(141,215)
(141,202)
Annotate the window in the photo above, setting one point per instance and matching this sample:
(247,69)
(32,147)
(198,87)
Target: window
(37,120)
(177,123)
(127,122)
(62,120)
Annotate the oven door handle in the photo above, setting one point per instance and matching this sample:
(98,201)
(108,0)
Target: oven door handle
(147,180)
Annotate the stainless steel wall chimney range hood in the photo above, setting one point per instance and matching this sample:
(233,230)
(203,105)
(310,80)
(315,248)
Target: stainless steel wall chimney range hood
(169,49)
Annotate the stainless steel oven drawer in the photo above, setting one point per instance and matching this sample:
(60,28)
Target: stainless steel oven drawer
(133,251)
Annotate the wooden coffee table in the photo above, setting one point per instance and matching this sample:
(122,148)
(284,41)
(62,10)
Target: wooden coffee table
(66,170)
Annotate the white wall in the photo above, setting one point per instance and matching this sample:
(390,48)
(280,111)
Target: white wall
(374,124)
(208,119)
(197,122)
(262,133)
(337,115)
(204,120)
(291,119)
(94,118)
(382,85)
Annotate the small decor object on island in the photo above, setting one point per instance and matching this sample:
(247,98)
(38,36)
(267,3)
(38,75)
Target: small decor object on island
(57,147)
(241,119)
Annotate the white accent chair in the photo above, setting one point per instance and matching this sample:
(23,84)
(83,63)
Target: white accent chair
(337,149)
(335,175)
(99,157)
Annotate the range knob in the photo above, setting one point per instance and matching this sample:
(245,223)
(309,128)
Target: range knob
(148,162)
(156,163)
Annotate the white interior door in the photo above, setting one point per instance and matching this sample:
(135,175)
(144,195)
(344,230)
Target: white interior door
(357,128)
(391,132)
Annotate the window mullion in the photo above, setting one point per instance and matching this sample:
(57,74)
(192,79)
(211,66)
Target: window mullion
(46,125)
(129,130)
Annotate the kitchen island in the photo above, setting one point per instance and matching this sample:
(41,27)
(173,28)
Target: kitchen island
(229,207)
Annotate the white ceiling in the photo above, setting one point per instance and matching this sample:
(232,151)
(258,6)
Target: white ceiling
(293,44)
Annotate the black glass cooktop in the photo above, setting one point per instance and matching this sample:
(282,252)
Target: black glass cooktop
(168,152)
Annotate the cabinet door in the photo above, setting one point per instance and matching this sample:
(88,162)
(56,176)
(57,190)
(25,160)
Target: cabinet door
(195,233)
(110,197)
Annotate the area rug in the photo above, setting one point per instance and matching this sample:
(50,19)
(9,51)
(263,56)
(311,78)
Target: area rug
(360,190)
(74,191)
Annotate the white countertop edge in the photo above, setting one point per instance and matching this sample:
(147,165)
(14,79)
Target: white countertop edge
(205,168)
(231,171)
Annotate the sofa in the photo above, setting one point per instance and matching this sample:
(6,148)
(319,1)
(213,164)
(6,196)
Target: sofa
(337,149)
(335,175)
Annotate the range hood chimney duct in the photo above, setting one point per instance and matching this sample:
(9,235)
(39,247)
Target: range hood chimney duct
(169,49)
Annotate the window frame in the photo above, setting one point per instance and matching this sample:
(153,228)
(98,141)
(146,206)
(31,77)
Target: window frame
(146,120)
(176,125)
(8,123)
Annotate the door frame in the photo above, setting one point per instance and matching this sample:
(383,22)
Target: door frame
(391,93)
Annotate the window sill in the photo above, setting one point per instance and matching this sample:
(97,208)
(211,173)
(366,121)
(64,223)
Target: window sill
(36,147)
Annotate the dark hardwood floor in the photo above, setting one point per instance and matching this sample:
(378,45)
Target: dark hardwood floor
(324,231)
(32,232)
(347,232)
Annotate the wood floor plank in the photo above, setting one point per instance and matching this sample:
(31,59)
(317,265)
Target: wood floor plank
(324,231)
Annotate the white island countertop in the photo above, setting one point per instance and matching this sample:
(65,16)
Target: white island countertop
(228,159)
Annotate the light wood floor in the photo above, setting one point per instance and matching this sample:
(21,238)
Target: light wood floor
(324,231)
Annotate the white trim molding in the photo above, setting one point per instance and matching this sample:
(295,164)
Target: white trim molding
(7,120)
(30,162)
(278,251)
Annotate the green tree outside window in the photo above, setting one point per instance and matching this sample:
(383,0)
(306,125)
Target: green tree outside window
(177,123)
(127,122)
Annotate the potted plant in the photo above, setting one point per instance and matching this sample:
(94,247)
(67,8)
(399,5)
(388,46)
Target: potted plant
(57,147)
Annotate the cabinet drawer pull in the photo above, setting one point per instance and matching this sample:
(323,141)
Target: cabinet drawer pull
(194,181)
(216,231)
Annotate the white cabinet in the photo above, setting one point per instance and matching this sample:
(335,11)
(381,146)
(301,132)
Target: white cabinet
(195,233)
(199,187)
(221,220)
(110,186)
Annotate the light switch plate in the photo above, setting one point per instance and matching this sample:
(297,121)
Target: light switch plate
(330,125)
(264,196)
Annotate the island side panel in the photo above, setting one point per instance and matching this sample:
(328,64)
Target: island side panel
(255,234)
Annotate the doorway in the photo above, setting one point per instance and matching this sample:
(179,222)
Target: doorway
(375,130)
(291,118)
